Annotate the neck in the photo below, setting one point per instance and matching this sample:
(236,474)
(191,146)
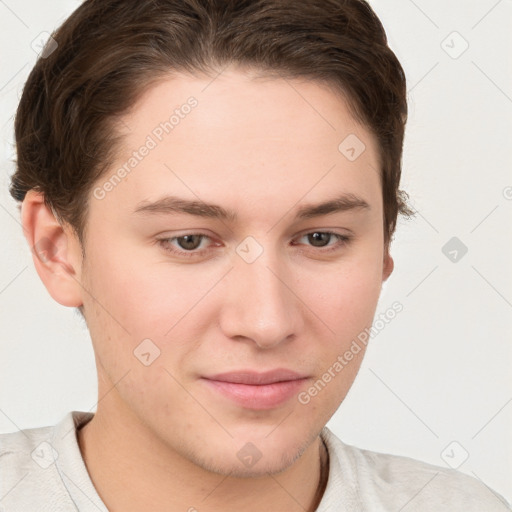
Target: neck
(132,471)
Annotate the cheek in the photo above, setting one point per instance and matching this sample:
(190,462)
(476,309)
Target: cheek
(128,312)
(118,305)
(131,302)
(346,295)
(136,296)
(346,303)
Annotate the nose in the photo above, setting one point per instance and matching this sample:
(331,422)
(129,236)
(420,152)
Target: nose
(259,303)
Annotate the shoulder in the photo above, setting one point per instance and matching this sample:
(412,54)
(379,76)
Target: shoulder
(394,482)
(26,465)
(25,450)
(29,476)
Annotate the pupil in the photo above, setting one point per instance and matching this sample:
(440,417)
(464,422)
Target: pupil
(189,242)
(317,237)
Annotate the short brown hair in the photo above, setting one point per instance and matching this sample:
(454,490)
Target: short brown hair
(110,51)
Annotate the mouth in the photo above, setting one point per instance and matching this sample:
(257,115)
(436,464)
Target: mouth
(253,390)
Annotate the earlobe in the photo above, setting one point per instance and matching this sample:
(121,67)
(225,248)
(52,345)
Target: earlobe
(388,266)
(55,251)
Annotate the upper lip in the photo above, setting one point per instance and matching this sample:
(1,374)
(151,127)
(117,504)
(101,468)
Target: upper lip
(256,378)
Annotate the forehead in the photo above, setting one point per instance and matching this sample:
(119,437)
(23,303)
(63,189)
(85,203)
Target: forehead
(266,138)
(240,102)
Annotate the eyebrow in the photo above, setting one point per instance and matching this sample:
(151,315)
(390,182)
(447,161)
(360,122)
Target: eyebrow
(176,205)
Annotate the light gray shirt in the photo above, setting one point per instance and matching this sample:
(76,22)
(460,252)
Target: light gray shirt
(42,469)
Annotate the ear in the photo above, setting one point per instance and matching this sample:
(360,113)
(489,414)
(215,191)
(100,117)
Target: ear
(55,249)
(388,265)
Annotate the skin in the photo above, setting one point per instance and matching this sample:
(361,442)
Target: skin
(161,439)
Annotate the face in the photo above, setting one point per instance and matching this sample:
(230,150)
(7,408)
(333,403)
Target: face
(217,318)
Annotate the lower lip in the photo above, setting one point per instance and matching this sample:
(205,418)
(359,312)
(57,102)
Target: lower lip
(266,396)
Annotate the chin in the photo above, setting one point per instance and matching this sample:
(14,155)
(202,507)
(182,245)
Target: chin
(265,466)
(242,458)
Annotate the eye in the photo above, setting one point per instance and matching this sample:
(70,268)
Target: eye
(187,244)
(321,239)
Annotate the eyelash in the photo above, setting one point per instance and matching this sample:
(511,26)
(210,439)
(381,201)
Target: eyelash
(343,240)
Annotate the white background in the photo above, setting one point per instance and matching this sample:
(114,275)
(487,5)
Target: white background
(440,371)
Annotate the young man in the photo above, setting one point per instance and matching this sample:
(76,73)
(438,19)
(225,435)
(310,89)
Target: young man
(214,184)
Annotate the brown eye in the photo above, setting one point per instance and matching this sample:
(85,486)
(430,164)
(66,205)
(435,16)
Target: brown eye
(187,246)
(189,242)
(319,239)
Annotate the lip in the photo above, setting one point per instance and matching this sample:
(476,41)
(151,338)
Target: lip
(254,390)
